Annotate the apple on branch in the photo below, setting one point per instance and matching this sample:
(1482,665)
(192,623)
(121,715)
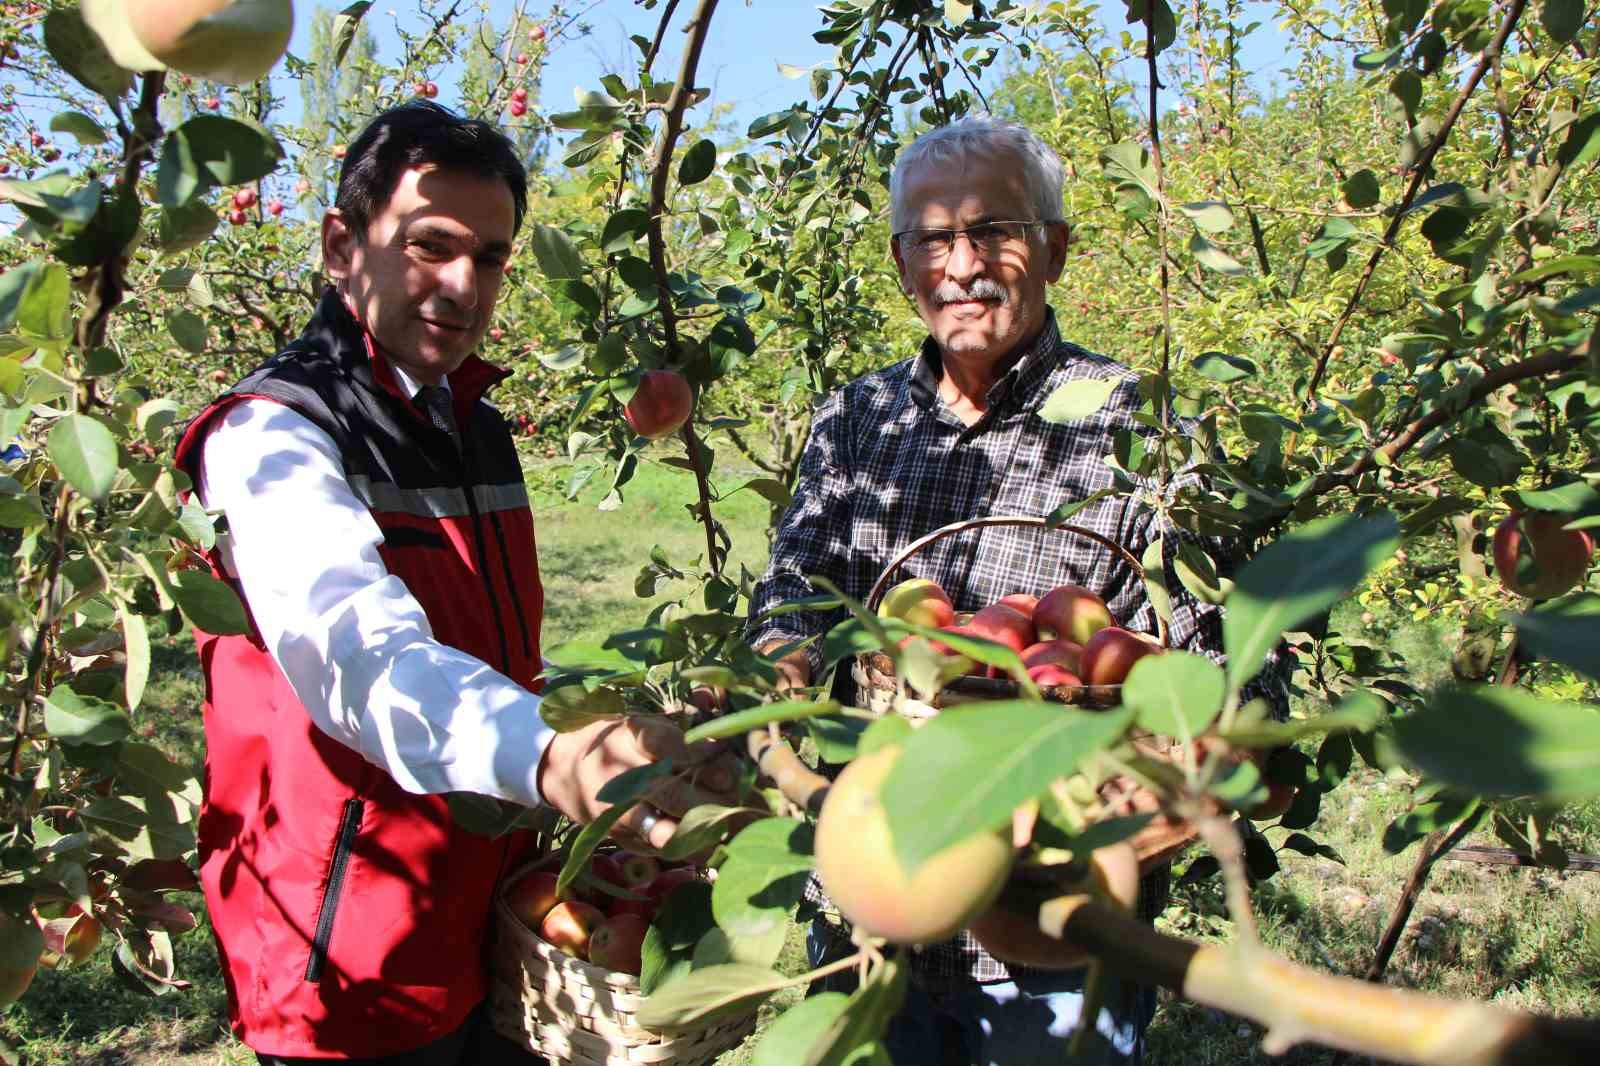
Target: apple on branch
(1537,558)
(662,403)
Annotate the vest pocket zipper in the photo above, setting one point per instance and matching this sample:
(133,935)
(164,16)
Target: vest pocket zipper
(344,843)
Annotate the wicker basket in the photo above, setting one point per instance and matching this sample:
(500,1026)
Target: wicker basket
(571,1011)
(881,693)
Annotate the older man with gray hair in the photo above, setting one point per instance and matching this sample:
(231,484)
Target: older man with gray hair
(954,433)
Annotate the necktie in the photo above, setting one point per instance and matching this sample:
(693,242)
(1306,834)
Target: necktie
(434,401)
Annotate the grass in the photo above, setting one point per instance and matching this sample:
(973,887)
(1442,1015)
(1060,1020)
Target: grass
(1526,939)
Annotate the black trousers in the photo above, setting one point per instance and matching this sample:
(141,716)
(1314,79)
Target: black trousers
(474,1044)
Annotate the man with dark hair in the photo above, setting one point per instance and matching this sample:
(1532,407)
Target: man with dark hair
(379,534)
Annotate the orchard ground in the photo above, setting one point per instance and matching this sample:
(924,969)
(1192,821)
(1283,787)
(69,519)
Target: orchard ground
(1524,938)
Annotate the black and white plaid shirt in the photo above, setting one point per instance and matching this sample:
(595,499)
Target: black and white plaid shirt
(887,462)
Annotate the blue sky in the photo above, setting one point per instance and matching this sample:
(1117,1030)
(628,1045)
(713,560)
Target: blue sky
(749,38)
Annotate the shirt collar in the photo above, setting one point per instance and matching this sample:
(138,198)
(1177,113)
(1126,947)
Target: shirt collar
(1037,360)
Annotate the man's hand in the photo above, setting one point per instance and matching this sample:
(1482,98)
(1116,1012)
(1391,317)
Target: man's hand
(794,669)
(577,765)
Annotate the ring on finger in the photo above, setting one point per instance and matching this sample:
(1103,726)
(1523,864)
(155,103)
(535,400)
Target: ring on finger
(648,822)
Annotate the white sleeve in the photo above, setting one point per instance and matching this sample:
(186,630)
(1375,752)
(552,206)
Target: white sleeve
(348,635)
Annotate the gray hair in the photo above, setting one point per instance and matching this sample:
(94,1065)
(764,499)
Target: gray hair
(982,135)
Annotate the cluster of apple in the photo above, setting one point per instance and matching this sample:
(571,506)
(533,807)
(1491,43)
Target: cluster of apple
(605,926)
(1067,638)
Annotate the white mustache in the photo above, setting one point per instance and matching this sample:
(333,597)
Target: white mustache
(950,292)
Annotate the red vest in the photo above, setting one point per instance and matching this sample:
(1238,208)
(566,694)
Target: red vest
(351,916)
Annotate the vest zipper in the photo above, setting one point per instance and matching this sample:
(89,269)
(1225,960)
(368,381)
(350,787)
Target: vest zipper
(511,583)
(483,556)
(344,843)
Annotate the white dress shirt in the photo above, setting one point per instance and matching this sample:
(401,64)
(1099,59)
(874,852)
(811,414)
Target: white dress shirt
(305,550)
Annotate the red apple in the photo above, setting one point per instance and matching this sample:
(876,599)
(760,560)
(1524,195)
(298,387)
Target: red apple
(518,108)
(536,34)
(245,197)
(302,187)
(1022,602)
(617,944)
(1536,558)
(1003,624)
(918,601)
(212,103)
(274,208)
(569,925)
(1108,656)
(519,93)
(531,898)
(639,870)
(1062,653)
(521,57)
(644,907)
(339,150)
(661,403)
(237,217)
(432,89)
(1054,675)
(607,869)
(1071,612)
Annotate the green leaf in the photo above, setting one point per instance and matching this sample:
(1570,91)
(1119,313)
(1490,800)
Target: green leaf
(80,126)
(558,257)
(1002,753)
(84,720)
(14,285)
(1297,576)
(1220,366)
(1128,163)
(1332,237)
(136,644)
(146,769)
(1582,142)
(186,226)
(1213,257)
(859,1026)
(1155,579)
(86,454)
(20,947)
(569,707)
(1176,694)
(1213,216)
(344,28)
(1493,740)
(700,828)
(741,722)
(1359,711)
(565,358)
(716,993)
(209,151)
(631,785)
(768,124)
(798,1029)
(1577,265)
(683,921)
(838,740)
(759,883)
(1078,399)
(770,489)
(1361,189)
(1562,19)
(582,848)
(189,330)
(45,307)
(1565,630)
(622,229)
(698,163)
(81,53)
(211,606)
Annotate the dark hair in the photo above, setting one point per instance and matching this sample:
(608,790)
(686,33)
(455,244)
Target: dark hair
(420,133)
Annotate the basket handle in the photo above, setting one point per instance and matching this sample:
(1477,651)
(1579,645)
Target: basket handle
(878,588)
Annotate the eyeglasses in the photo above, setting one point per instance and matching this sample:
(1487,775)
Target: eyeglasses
(932,246)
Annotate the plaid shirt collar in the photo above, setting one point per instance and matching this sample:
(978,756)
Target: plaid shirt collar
(1039,356)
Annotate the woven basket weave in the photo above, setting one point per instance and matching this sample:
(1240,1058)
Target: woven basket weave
(571,1011)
